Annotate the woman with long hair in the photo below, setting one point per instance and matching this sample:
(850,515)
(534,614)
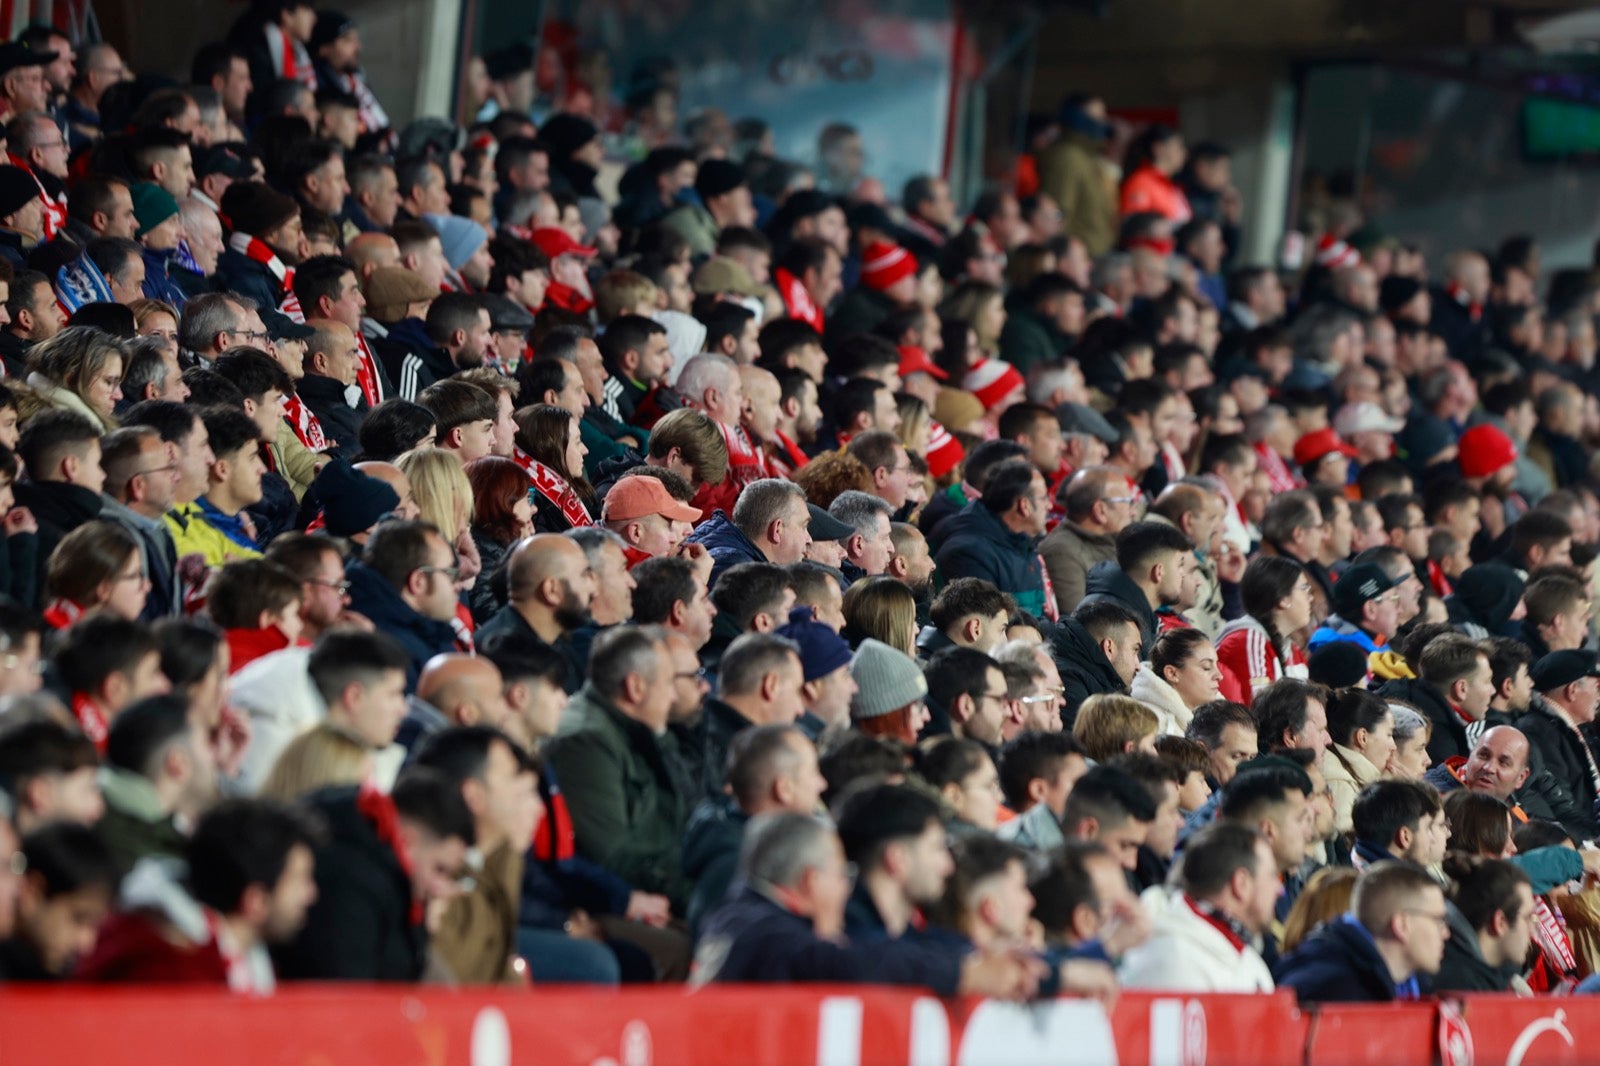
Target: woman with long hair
(98,565)
(322,756)
(1325,897)
(158,319)
(881,608)
(983,308)
(443,495)
(552,451)
(79,370)
(1362,727)
(502,515)
(965,777)
(1255,650)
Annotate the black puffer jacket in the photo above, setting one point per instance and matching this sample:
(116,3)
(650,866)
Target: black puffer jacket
(1555,748)
(1449,738)
(1109,582)
(1085,670)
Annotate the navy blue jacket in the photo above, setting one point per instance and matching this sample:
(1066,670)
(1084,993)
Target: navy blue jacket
(978,544)
(1340,964)
(727,544)
(245,276)
(421,637)
(1108,583)
(752,939)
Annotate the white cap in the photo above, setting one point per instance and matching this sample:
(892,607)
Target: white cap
(1365,417)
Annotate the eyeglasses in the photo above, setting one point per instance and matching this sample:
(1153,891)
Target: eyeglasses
(1047,698)
(138,576)
(169,468)
(451,572)
(1119,499)
(341,587)
(1001,696)
(248,334)
(17,865)
(52,144)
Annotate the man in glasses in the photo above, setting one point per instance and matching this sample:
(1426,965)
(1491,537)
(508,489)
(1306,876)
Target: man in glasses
(1099,504)
(142,482)
(405,582)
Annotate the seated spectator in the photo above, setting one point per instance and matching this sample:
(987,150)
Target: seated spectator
(502,517)
(60,452)
(1099,650)
(97,566)
(405,583)
(1271,798)
(382,856)
(890,690)
(645,515)
(1491,925)
(159,771)
(1204,933)
(1362,728)
(1098,505)
(216,526)
(551,591)
(1566,682)
(48,770)
(465,415)
(249,870)
(105,664)
(1037,774)
(969,612)
(67,891)
(1256,649)
(79,370)
(769,524)
(882,608)
(552,450)
(1394,819)
(257,606)
(1385,949)
(321,757)
(1111,807)
(996,537)
(1182,674)
(759,679)
(1110,725)
(333,364)
(967,781)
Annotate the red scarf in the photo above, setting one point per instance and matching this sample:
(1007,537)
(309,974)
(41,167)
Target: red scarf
(304,423)
(91,720)
(1437,580)
(797,299)
(379,811)
(1219,923)
(1459,295)
(785,457)
(258,251)
(285,53)
(59,613)
(1276,469)
(55,211)
(553,487)
(367,373)
(1051,610)
(567,298)
(746,463)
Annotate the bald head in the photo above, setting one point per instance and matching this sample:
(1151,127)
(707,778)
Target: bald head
(465,688)
(370,251)
(543,558)
(1498,765)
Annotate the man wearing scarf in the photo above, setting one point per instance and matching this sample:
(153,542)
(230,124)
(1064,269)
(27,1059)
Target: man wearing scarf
(38,147)
(336,46)
(265,243)
(21,215)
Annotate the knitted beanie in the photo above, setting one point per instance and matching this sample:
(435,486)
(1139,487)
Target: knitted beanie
(991,380)
(883,264)
(1484,450)
(459,237)
(352,502)
(887,679)
(822,651)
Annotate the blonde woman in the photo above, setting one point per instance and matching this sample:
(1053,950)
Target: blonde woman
(323,755)
(882,608)
(983,308)
(916,424)
(158,319)
(443,496)
(79,370)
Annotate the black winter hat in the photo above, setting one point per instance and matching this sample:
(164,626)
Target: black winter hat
(352,502)
(1397,291)
(1490,592)
(565,134)
(716,178)
(1338,665)
(17,187)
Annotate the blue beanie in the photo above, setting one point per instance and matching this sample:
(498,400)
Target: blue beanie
(822,651)
(461,237)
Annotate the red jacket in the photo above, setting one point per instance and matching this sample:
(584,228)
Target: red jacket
(1249,663)
(136,947)
(1147,189)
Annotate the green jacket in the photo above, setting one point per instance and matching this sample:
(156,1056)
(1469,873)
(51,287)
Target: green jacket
(1029,339)
(695,225)
(627,813)
(134,826)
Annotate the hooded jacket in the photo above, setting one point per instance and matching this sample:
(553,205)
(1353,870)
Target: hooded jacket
(727,545)
(981,546)
(134,826)
(1189,952)
(1248,662)
(1153,690)
(245,276)
(1556,749)
(1340,963)
(627,812)
(330,402)
(1085,670)
(1108,582)
(1069,551)
(422,637)
(361,926)
(1449,737)
(1347,772)
(711,855)
(1464,968)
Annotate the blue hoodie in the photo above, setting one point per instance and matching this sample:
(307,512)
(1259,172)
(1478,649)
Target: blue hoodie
(1340,964)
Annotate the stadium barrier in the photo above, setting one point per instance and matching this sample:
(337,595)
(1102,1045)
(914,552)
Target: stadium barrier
(769,1026)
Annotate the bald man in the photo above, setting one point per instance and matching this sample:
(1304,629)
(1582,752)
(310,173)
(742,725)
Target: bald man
(1499,767)
(371,251)
(332,364)
(396,479)
(454,689)
(552,590)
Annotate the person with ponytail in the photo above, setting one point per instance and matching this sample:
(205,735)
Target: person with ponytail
(1256,650)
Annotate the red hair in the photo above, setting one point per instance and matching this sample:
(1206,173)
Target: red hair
(497,484)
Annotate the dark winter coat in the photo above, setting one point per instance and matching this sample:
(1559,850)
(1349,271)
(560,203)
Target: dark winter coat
(980,545)
(421,637)
(341,423)
(1339,964)
(1556,749)
(1085,670)
(727,544)
(1449,737)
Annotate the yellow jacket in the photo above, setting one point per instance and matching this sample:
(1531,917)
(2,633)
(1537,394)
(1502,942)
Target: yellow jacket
(193,534)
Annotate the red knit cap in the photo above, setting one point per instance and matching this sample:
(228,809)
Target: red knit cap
(944,451)
(990,380)
(1485,449)
(883,264)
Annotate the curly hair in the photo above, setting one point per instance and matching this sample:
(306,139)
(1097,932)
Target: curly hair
(830,474)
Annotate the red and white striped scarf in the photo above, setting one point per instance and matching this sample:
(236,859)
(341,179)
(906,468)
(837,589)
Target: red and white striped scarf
(553,487)
(1550,933)
(367,373)
(304,423)
(61,613)
(746,463)
(797,299)
(258,251)
(290,58)
(55,211)
(1276,469)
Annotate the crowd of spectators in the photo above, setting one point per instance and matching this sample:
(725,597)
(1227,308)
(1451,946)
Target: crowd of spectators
(579,545)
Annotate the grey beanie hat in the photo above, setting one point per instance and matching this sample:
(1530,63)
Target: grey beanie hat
(887,679)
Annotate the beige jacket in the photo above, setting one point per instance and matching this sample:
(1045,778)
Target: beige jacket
(1068,552)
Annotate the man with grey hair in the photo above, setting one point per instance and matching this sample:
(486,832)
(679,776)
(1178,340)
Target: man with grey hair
(770,524)
(202,240)
(628,813)
(212,324)
(758,683)
(34,138)
(869,548)
(712,383)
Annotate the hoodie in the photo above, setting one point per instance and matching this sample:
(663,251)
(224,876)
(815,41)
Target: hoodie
(1109,582)
(1085,670)
(1340,964)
